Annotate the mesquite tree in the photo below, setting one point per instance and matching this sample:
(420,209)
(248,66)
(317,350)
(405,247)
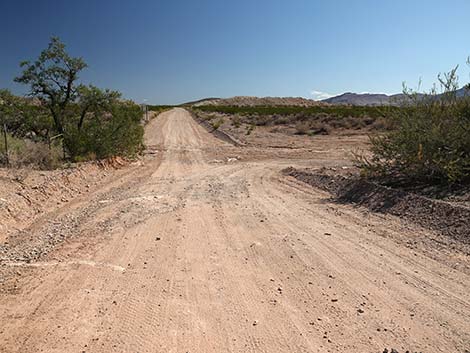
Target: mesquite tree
(93,102)
(5,109)
(52,78)
(93,123)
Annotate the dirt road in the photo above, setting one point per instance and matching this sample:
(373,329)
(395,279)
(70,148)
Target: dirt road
(188,254)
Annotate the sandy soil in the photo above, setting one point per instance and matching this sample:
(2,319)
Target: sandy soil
(206,247)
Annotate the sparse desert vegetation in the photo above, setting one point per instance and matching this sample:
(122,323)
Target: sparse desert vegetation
(339,111)
(429,141)
(301,120)
(160,108)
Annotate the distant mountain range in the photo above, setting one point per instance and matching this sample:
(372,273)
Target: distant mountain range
(247,101)
(201,101)
(350,98)
(370,99)
(375,99)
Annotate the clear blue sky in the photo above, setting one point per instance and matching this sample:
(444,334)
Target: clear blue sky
(174,51)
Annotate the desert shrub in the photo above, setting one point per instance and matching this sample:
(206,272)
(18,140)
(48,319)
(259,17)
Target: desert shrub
(24,118)
(335,117)
(302,127)
(319,128)
(350,122)
(160,108)
(218,123)
(23,152)
(381,124)
(40,155)
(336,110)
(333,123)
(430,139)
(15,146)
(249,129)
(282,120)
(359,123)
(114,132)
(236,121)
(208,117)
(369,121)
(262,120)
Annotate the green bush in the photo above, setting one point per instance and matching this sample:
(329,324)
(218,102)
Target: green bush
(160,108)
(15,145)
(114,132)
(429,140)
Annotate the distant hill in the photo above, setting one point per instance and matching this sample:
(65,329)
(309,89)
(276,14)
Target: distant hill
(349,98)
(201,101)
(359,99)
(464,91)
(372,99)
(257,101)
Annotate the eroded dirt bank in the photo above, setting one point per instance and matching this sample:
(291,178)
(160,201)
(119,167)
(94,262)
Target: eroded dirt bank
(207,247)
(449,219)
(27,194)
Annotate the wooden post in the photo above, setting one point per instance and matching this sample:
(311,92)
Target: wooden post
(7,158)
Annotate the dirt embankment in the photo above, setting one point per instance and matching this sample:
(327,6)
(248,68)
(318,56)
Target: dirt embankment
(26,194)
(219,133)
(447,218)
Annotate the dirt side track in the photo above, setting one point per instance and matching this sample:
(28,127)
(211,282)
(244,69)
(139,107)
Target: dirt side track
(187,255)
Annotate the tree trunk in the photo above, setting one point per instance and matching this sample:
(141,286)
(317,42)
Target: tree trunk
(7,158)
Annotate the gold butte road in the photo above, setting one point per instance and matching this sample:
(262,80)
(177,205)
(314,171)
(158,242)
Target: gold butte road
(187,255)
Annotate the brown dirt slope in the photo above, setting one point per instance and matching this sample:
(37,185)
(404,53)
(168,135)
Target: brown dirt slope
(26,194)
(446,218)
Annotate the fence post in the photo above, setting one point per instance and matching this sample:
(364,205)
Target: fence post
(7,158)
